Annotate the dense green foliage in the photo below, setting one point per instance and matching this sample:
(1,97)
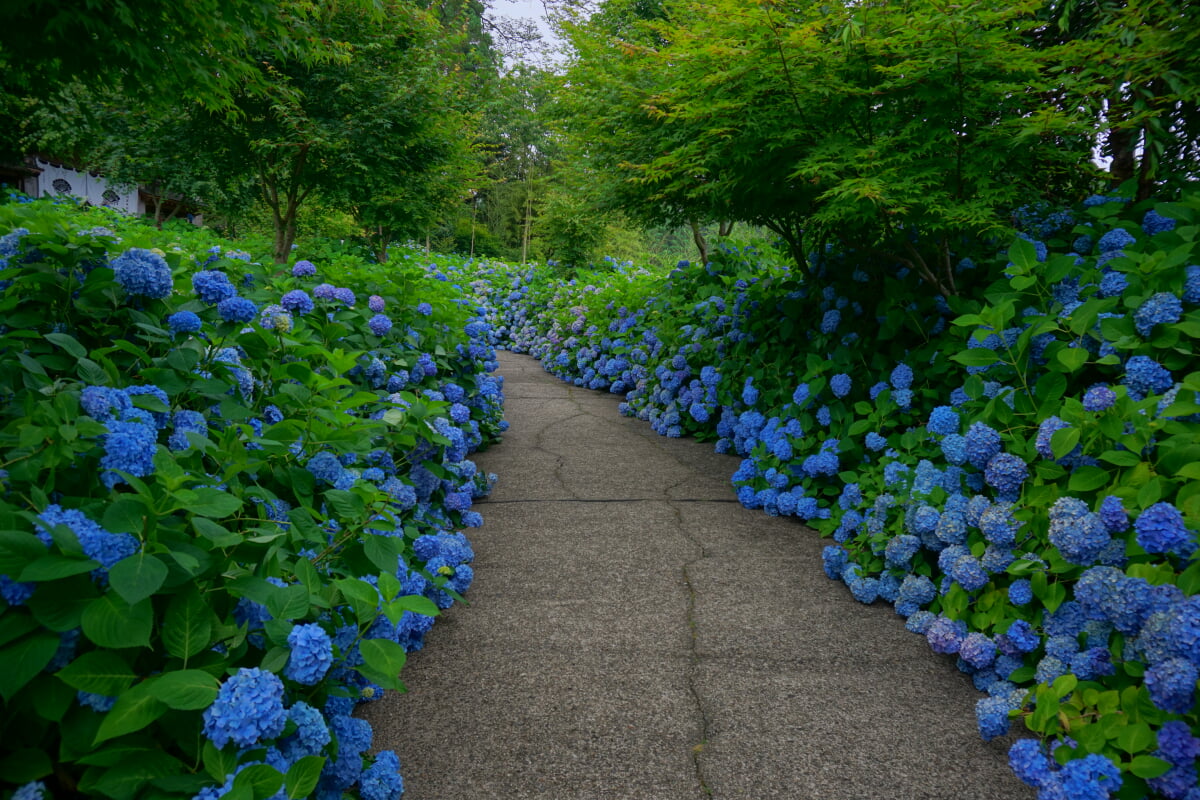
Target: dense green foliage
(215,472)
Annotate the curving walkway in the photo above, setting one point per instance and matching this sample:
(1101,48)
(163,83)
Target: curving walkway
(634,633)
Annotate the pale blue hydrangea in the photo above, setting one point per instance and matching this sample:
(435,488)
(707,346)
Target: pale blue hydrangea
(1099,398)
(1162,308)
(237,309)
(840,384)
(379,324)
(143,273)
(311,656)
(1161,529)
(297,301)
(212,286)
(304,269)
(184,322)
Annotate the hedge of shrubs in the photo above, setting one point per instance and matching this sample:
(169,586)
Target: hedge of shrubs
(1016,469)
(231,502)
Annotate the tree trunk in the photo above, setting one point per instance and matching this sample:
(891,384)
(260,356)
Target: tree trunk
(725,227)
(381,246)
(699,240)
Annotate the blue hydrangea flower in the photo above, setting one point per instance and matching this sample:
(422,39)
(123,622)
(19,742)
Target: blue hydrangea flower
(875,442)
(1116,239)
(1099,398)
(237,309)
(991,715)
(1113,514)
(376,303)
(304,269)
(943,421)
(1161,529)
(1046,430)
(424,309)
(129,447)
(902,377)
(381,780)
(1113,283)
(1172,685)
(1020,592)
(324,291)
(968,572)
(983,443)
(840,384)
(1005,473)
(1155,222)
(312,654)
(1019,638)
(1029,762)
(275,317)
(185,422)
(945,635)
(142,273)
(297,301)
(345,295)
(213,286)
(1145,376)
(1076,531)
(1191,285)
(325,467)
(34,790)
(1162,308)
(830,321)
(248,709)
(379,324)
(998,524)
(184,322)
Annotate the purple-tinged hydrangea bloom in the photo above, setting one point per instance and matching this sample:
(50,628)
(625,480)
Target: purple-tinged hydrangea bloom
(998,524)
(1145,376)
(212,286)
(143,273)
(237,309)
(1113,514)
(1162,308)
(297,301)
(1029,762)
(1005,473)
(968,572)
(344,295)
(376,303)
(945,635)
(379,324)
(1046,430)
(983,443)
(312,654)
(324,291)
(1115,239)
(184,322)
(1099,398)
(1020,592)
(276,317)
(1172,685)
(1161,529)
(424,309)
(1176,744)
(304,269)
(978,650)
(1155,222)
(1020,638)
(1077,532)
(900,550)
(248,709)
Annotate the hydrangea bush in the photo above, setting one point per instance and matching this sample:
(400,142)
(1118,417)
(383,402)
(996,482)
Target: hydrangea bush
(1013,469)
(231,502)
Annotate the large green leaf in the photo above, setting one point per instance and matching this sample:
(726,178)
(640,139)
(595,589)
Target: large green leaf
(21,660)
(186,690)
(111,622)
(137,577)
(135,709)
(99,672)
(187,627)
(302,777)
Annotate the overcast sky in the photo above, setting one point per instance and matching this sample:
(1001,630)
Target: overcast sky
(525,9)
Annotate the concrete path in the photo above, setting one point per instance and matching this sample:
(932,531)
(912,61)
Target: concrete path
(634,633)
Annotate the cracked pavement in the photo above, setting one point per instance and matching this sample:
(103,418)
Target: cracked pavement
(634,633)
